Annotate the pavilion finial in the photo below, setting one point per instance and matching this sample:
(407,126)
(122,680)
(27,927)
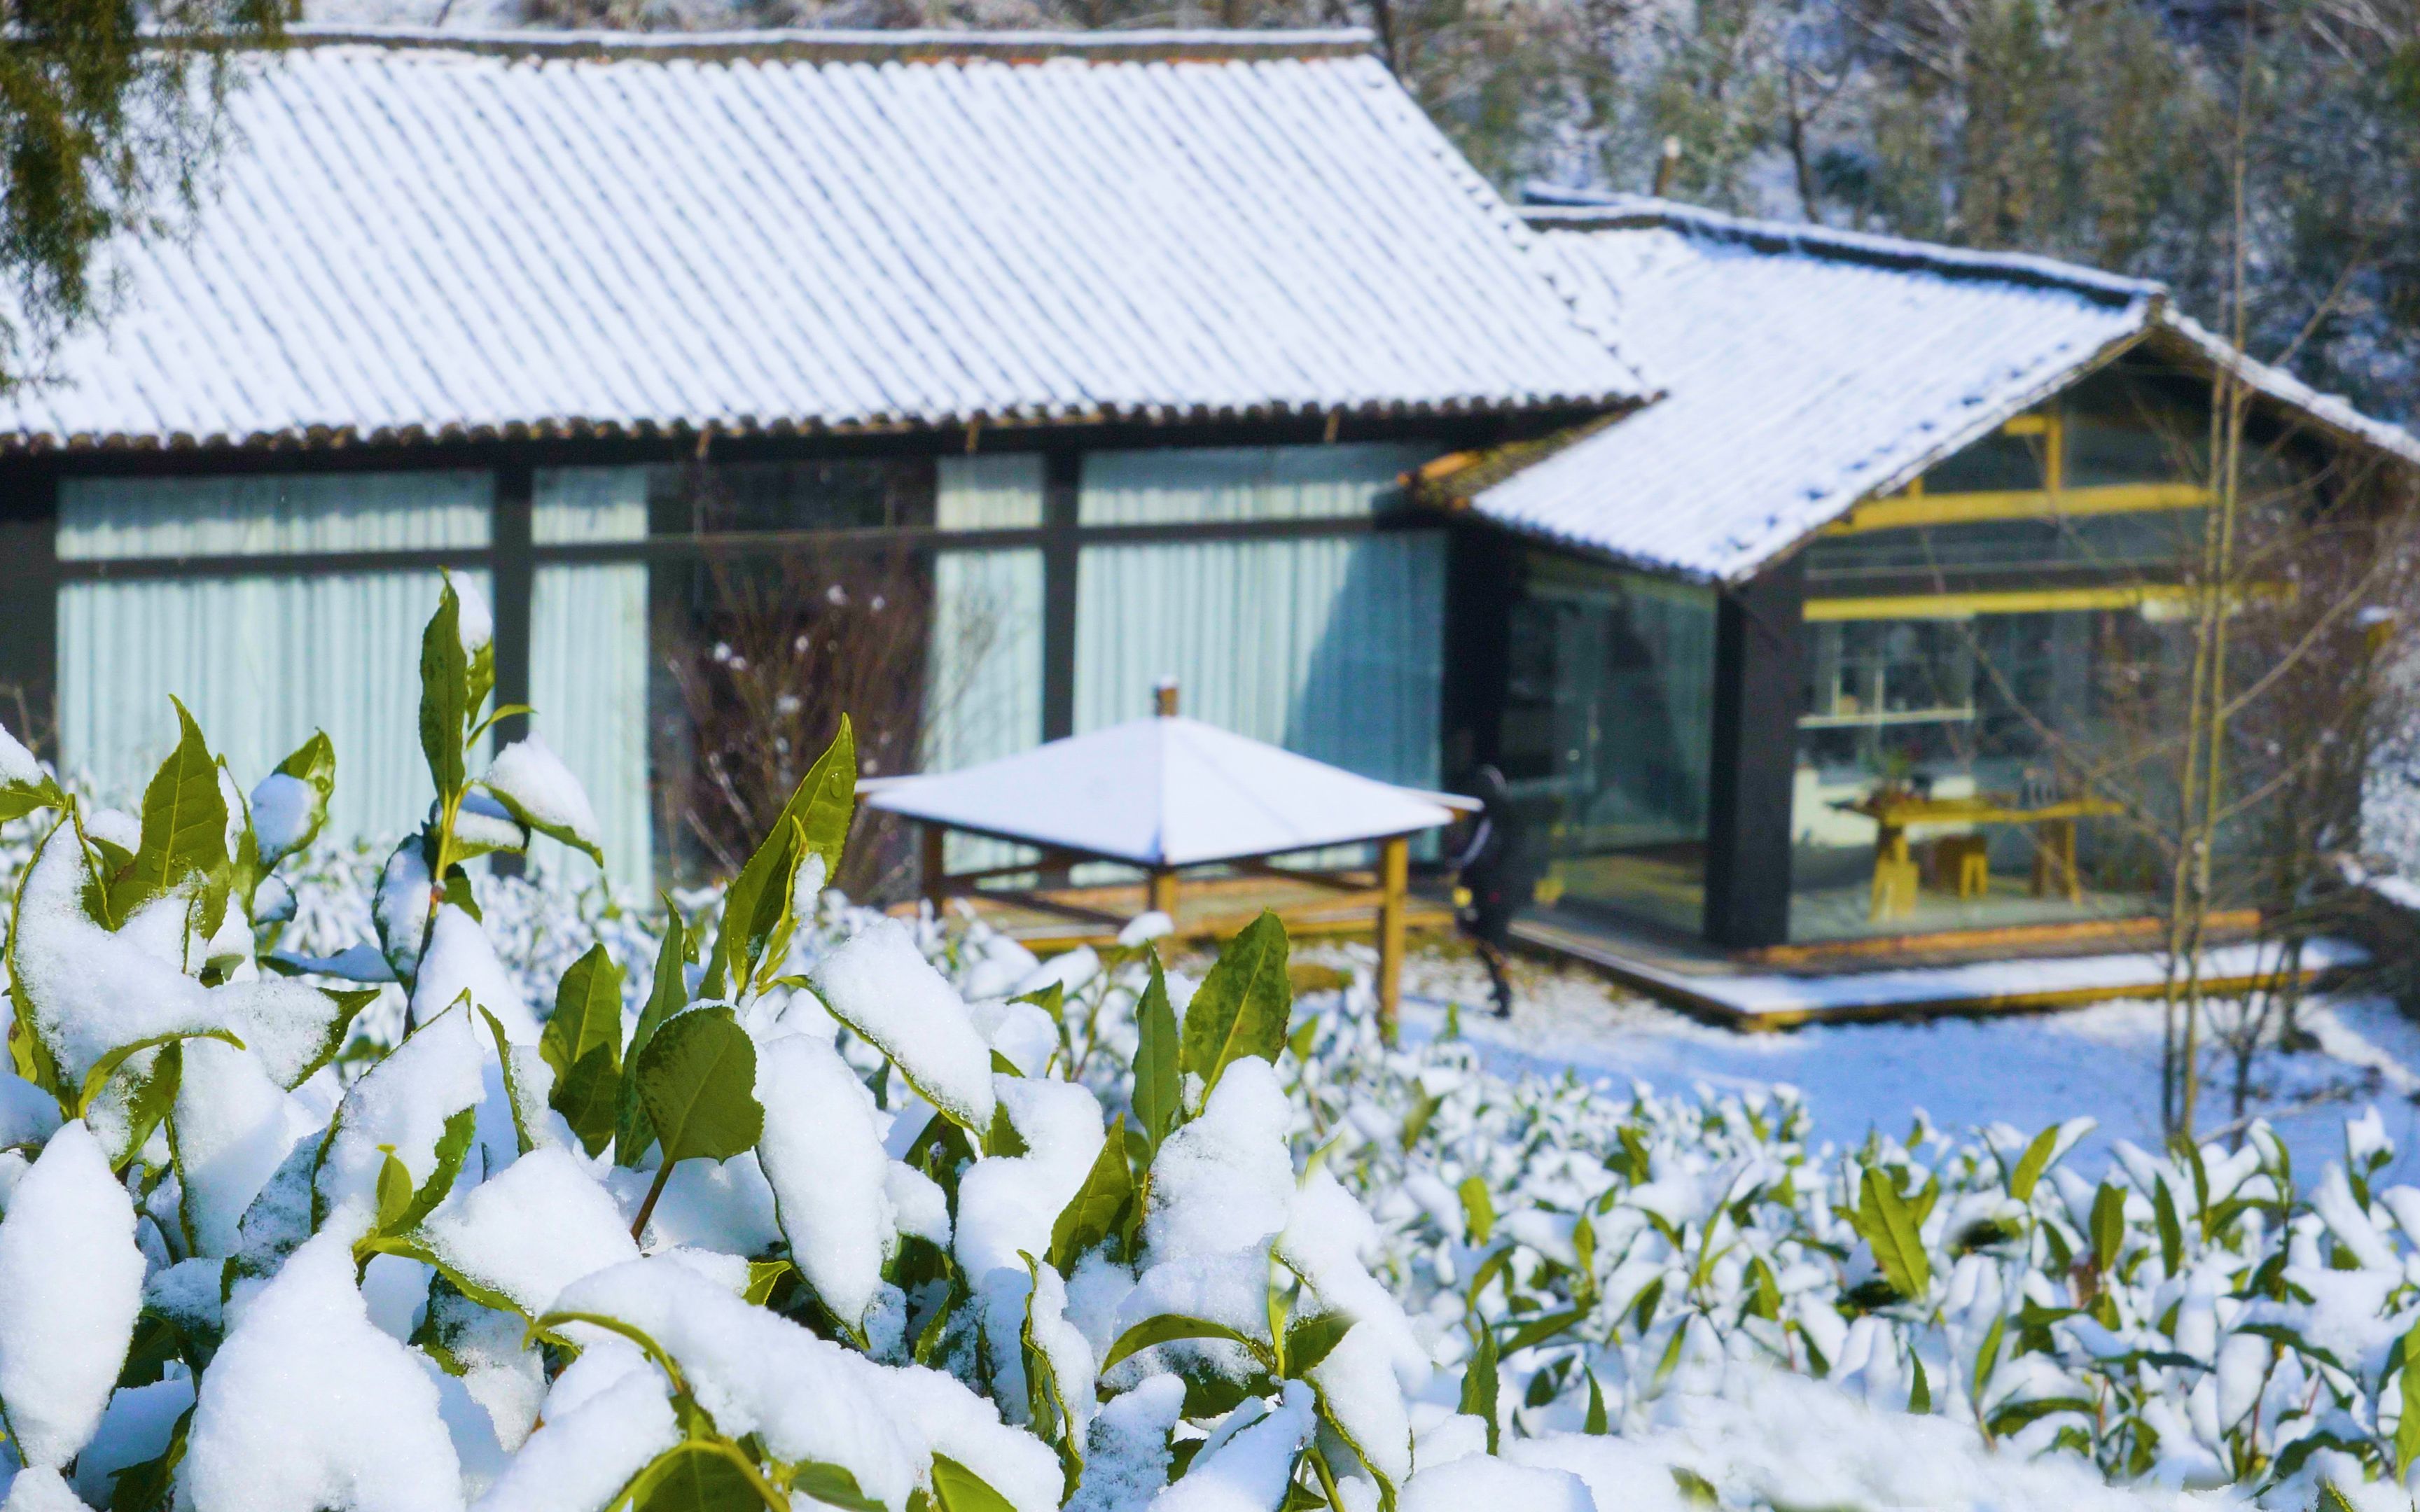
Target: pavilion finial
(1164,696)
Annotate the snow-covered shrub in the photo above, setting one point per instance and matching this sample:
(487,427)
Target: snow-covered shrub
(1583,1257)
(776,1216)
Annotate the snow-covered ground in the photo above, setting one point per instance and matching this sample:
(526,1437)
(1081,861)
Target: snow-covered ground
(2029,1070)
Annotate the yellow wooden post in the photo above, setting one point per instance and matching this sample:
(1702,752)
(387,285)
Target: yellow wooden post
(933,878)
(1163,892)
(1394,878)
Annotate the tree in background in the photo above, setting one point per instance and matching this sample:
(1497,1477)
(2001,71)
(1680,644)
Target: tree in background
(108,113)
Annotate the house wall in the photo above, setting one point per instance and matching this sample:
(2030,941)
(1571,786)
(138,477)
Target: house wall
(1270,567)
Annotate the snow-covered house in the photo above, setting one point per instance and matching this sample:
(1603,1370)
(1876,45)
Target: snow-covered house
(1895,512)
(1120,344)
(1112,350)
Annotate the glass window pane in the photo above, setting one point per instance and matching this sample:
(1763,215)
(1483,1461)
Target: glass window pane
(1608,733)
(103,519)
(262,661)
(1000,492)
(739,497)
(574,504)
(588,685)
(1332,648)
(1185,486)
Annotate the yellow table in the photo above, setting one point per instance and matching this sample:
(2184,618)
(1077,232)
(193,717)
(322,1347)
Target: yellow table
(1895,873)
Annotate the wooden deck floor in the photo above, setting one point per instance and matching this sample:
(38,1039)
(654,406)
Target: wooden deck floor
(1209,908)
(1959,973)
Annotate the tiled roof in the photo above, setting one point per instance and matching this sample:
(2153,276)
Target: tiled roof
(421,235)
(1807,369)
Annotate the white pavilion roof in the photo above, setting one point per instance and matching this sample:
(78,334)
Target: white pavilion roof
(1163,791)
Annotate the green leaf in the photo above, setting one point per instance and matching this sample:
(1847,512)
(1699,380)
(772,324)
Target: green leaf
(106,1066)
(1312,1340)
(583,1042)
(2332,1500)
(452,1146)
(697,1080)
(1158,1089)
(813,823)
(632,1133)
(1169,1327)
(517,1098)
(348,1003)
(1480,1383)
(832,1485)
(1538,1331)
(149,1101)
(1920,1395)
(697,1475)
(1695,1489)
(763,1276)
(184,823)
(1598,1423)
(1883,1221)
(313,764)
(1987,1359)
(2407,1429)
(2108,1226)
(1241,1007)
(1091,1214)
(2031,1164)
(393,1191)
(2172,1234)
(1478,1209)
(444,695)
(960,1490)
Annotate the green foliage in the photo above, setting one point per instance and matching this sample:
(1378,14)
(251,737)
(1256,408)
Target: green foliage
(697,1080)
(1098,1208)
(314,765)
(582,1043)
(1889,1228)
(1158,1077)
(1242,1006)
(758,907)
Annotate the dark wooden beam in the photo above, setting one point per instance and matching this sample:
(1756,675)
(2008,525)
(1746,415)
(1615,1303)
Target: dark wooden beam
(1757,689)
(1062,554)
(29,613)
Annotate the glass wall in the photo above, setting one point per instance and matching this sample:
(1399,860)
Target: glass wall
(1988,659)
(696,630)
(262,658)
(1607,736)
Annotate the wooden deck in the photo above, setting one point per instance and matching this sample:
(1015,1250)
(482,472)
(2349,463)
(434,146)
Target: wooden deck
(1207,910)
(1962,973)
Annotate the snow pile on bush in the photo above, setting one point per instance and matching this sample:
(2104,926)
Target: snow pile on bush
(1579,1259)
(770,1219)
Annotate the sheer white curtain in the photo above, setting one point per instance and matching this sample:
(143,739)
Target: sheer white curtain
(262,661)
(588,660)
(1331,646)
(983,680)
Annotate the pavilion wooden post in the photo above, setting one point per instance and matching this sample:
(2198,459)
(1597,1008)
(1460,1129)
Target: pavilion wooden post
(1161,893)
(1394,878)
(929,837)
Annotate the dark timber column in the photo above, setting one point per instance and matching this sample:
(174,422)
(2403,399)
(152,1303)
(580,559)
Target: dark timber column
(29,612)
(1757,694)
(512,580)
(1063,471)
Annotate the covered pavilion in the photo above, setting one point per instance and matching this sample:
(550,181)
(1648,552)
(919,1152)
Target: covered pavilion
(1168,796)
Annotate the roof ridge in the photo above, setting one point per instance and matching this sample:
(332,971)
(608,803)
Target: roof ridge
(1551,208)
(917,45)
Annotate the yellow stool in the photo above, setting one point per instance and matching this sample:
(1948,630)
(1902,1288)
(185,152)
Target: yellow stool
(1962,864)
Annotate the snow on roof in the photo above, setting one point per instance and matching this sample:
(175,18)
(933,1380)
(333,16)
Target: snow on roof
(420,233)
(1162,791)
(1805,369)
